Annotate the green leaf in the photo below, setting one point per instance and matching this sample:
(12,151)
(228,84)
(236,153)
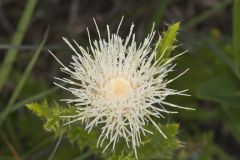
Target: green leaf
(157,147)
(39,109)
(166,43)
(78,135)
(122,156)
(51,115)
(153,146)
(52,124)
(222,90)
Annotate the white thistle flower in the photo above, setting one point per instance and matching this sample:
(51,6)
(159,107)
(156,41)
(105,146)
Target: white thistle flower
(119,86)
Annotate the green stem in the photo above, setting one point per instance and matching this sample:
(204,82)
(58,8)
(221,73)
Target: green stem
(236,34)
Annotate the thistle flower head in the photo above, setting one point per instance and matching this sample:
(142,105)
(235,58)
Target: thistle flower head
(119,86)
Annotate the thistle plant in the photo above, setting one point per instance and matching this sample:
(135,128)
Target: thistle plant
(121,87)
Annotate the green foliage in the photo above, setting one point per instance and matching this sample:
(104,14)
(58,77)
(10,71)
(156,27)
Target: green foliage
(78,135)
(41,110)
(230,117)
(51,115)
(224,90)
(157,147)
(210,132)
(153,146)
(209,149)
(122,156)
(53,122)
(166,43)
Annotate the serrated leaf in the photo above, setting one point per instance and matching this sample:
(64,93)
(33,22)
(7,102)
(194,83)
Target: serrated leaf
(129,156)
(166,43)
(52,124)
(39,110)
(158,147)
(51,114)
(78,135)
(153,146)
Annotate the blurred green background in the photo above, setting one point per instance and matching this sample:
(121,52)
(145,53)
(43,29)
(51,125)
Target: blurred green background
(210,30)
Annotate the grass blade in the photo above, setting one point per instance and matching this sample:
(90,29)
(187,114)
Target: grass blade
(23,80)
(16,41)
(236,33)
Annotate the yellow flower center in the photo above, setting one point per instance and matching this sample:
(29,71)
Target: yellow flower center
(118,87)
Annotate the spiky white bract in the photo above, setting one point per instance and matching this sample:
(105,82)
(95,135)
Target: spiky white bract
(119,87)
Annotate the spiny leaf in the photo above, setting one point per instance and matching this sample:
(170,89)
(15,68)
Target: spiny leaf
(38,109)
(51,114)
(78,135)
(158,147)
(52,124)
(153,146)
(129,156)
(166,43)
